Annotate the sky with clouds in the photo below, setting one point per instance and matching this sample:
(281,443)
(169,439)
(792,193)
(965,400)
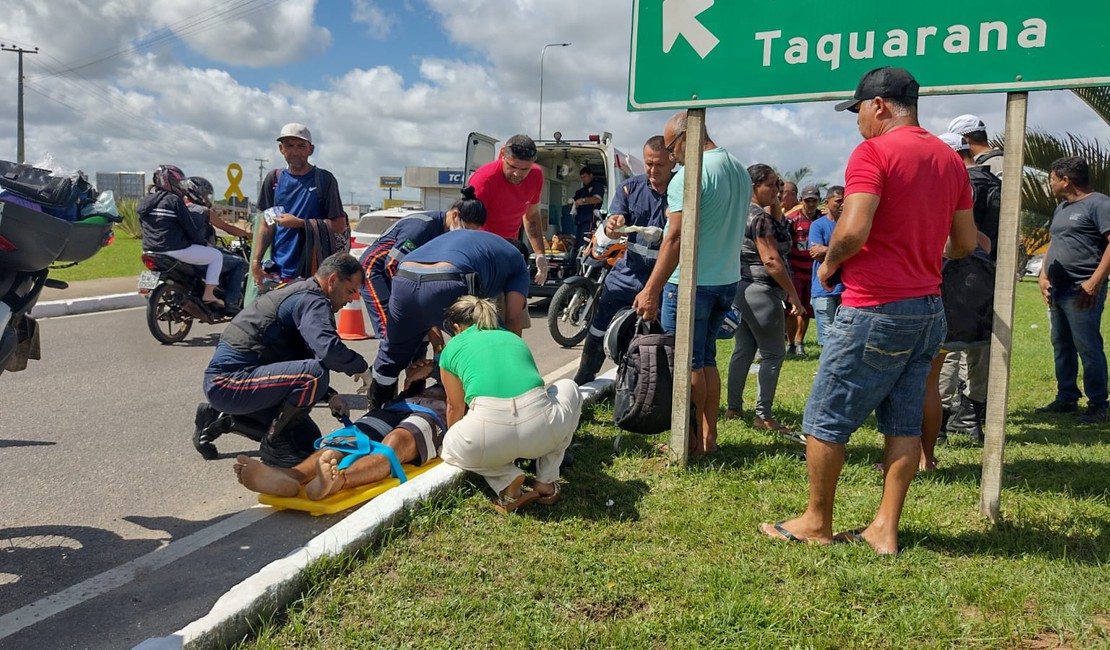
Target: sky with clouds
(384,85)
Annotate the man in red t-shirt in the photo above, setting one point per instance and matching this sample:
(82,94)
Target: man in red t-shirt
(801,269)
(907,205)
(510,189)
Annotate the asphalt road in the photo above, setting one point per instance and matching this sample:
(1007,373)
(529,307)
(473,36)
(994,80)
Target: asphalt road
(112,528)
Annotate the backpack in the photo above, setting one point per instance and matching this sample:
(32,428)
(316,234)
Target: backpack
(967,289)
(645,381)
(987,190)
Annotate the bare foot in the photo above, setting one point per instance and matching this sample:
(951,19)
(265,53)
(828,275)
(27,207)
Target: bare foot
(328,478)
(880,546)
(265,479)
(710,444)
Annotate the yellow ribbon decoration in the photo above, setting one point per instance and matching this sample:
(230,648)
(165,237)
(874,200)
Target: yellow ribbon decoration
(234,175)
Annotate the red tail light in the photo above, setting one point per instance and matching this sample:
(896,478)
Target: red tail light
(111,238)
(6,246)
(595,138)
(148,261)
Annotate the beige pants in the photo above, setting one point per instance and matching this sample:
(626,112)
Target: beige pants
(496,431)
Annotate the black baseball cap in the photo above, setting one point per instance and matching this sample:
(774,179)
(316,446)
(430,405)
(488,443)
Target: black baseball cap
(882,82)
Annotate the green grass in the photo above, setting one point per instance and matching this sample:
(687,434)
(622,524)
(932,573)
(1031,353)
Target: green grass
(121,258)
(641,555)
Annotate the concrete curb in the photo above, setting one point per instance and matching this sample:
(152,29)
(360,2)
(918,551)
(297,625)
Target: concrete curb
(282,581)
(54,308)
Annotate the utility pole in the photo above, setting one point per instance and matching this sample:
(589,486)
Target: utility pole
(19,110)
(261,172)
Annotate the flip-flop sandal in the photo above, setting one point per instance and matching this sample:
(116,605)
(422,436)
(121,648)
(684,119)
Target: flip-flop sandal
(854,536)
(548,499)
(786,535)
(505,504)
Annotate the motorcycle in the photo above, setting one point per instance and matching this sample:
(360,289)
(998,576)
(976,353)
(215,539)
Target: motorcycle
(30,243)
(175,290)
(574,303)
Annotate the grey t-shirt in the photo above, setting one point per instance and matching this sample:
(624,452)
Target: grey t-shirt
(1078,239)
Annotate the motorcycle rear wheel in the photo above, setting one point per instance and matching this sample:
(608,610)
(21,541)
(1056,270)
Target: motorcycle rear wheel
(569,315)
(165,317)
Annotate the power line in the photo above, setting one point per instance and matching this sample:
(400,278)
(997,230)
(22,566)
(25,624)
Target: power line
(175,31)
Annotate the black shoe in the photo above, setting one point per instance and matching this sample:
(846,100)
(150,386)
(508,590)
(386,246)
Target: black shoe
(1094,415)
(282,451)
(379,394)
(1057,406)
(209,423)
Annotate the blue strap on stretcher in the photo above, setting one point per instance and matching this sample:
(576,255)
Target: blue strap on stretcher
(351,441)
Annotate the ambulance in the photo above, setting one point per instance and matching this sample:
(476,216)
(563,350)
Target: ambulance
(561,161)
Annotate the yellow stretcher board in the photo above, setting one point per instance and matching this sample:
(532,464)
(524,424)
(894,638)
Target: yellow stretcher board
(343,499)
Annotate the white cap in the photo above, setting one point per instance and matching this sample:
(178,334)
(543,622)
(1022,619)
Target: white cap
(957,142)
(295,130)
(965,124)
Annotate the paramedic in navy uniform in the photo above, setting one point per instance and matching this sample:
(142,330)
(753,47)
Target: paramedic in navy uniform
(274,362)
(462,262)
(640,201)
(587,200)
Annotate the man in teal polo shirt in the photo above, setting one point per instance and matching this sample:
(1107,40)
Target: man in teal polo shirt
(726,191)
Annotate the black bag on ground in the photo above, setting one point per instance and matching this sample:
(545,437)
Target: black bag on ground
(38,185)
(645,381)
(967,288)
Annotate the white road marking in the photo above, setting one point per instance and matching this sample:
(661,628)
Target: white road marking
(43,609)
(556,374)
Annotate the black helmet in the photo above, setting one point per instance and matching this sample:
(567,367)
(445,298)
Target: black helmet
(199,190)
(169,178)
(619,333)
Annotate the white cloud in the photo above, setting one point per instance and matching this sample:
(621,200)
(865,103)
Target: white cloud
(378,21)
(141,108)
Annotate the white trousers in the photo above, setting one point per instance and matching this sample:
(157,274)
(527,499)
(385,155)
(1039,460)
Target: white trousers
(496,431)
(201,256)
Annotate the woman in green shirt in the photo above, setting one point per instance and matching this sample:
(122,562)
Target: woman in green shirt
(498,409)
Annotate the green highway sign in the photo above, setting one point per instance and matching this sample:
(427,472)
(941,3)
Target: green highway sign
(701,53)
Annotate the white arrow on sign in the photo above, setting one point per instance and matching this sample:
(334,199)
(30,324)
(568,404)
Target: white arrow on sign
(680,17)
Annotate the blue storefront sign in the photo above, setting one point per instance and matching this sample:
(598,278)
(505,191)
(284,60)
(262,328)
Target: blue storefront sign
(450,177)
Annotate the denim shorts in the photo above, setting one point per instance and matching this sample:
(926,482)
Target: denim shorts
(875,359)
(711,304)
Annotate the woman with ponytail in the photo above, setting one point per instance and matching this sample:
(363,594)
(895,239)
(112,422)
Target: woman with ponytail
(381,259)
(498,409)
(462,261)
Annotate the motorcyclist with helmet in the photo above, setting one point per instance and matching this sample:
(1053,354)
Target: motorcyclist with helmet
(169,229)
(198,199)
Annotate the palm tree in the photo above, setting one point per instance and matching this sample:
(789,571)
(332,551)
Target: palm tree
(1041,149)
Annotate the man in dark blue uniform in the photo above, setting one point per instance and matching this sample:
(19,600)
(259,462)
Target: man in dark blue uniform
(380,260)
(458,263)
(640,201)
(274,362)
(586,202)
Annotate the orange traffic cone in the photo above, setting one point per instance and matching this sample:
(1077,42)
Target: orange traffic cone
(351,325)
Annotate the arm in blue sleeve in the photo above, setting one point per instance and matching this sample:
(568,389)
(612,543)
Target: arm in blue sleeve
(312,316)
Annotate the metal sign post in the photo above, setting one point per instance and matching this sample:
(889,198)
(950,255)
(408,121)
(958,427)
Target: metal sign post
(679,446)
(1002,333)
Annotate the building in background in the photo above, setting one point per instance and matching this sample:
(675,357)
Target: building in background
(439,188)
(124,185)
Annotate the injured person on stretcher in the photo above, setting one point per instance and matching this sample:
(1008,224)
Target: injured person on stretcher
(410,428)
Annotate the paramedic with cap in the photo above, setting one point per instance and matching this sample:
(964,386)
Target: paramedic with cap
(307,193)
(974,132)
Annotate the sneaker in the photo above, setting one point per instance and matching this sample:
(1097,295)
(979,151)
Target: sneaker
(206,431)
(1057,406)
(791,350)
(802,350)
(1094,415)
